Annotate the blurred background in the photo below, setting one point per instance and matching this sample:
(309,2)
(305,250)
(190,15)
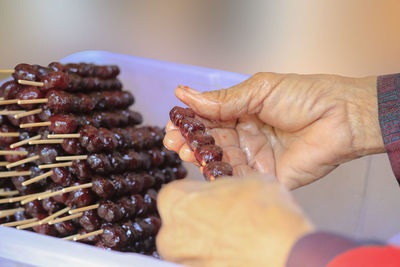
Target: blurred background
(353,38)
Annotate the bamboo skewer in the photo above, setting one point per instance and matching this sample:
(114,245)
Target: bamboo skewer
(37,178)
(22,161)
(79,237)
(7,71)
(69,238)
(55,165)
(77,157)
(33,101)
(9,134)
(4,163)
(17,223)
(91,207)
(24,82)
(11,112)
(32,197)
(26,141)
(66,218)
(8,101)
(9,193)
(14,173)
(45,220)
(35,124)
(27,113)
(16,199)
(46,141)
(75,135)
(13,152)
(11,210)
(65,190)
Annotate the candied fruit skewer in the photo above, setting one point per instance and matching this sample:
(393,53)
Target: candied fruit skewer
(202,144)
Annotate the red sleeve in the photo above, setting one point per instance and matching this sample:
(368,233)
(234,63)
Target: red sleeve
(368,256)
(388,87)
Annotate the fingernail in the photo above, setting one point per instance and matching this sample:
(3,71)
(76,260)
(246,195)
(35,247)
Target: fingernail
(187,89)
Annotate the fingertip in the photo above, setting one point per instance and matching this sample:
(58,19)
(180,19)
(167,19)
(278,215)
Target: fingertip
(170,126)
(186,154)
(173,140)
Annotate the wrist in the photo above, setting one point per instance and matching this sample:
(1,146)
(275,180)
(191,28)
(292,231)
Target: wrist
(362,106)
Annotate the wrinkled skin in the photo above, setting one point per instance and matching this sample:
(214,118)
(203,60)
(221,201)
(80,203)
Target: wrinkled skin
(296,127)
(229,222)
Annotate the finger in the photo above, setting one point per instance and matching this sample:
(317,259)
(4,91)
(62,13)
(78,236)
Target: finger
(243,170)
(170,126)
(173,140)
(186,154)
(231,103)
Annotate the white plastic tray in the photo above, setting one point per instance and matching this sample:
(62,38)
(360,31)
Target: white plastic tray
(152,82)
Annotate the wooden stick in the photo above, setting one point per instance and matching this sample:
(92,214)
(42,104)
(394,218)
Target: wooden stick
(37,178)
(32,197)
(7,71)
(24,82)
(26,141)
(16,199)
(8,101)
(16,223)
(11,210)
(35,124)
(55,165)
(75,135)
(9,193)
(46,141)
(9,134)
(10,112)
(66,218)
(13,152)
(1,98)
(77,157)
(45,220)
(65,190)
(91,207)
(68,238)
(14,173)
(27,113)
(22,161)
(4,163)
(33,101)
(79,237)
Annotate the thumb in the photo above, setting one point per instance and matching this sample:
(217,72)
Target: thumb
(228,104)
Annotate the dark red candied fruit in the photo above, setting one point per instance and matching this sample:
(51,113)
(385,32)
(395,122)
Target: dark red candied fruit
(25,72)
(65,228)
(191,125)
(82,197)
(57,66)
(104,188)
(14,158)
(178,113)
(72,146)
(29,92)
(199,138)
(9,89)
(45,229)
(208,153)
(89,240)
(90,221)
(217,169)
(50,205)
(179,171)
(48,153)
(34,208)
(100,163)
(63,124)
(114,236)
(62,176)
(110,211)
(55,80)
(81,169)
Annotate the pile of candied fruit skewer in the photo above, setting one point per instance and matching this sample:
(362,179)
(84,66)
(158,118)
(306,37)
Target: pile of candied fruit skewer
(76,163)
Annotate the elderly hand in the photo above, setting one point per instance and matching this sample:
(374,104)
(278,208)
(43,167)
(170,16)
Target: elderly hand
(229,222)
(295,127)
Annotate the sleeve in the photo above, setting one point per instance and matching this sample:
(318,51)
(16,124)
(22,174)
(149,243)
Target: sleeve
(388,87)
(326,249)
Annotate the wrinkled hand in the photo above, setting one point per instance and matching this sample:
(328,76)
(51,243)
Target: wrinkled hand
(229,222)
(295,127)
